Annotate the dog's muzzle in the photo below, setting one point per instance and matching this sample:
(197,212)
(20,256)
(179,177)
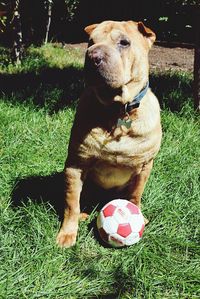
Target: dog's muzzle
(103,66)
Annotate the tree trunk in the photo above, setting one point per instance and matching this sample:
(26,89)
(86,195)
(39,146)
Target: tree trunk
(49,20)
(197,63)
(17,32)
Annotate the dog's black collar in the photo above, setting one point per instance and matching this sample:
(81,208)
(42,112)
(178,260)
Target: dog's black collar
(137,99)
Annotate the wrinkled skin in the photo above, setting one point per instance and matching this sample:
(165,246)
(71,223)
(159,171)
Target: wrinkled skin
(120,158)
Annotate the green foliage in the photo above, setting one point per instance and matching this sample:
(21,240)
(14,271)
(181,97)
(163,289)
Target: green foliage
(2,23)
(3,16)
(71,6)
(183,2)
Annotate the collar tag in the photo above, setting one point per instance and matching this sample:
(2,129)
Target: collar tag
(126,122)
(128,107)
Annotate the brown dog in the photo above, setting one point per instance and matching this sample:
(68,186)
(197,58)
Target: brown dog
(117,131)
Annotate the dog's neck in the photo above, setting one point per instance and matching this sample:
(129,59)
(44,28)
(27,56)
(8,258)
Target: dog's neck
(131,90)
(131,96)
(135,103)
(128,97)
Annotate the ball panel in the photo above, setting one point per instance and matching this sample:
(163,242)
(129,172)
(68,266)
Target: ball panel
(119,202)
(133,208)
(122,215)
(124,229)
(132,239)
(109,210)
(136,222)
(110,225)
(116,241)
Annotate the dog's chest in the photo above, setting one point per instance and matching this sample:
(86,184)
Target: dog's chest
(115,160)
(99,145)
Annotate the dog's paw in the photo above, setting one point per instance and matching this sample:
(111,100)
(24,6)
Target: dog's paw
(83,216)
(65,240)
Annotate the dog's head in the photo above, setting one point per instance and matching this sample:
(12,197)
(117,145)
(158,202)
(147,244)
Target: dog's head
(117,54)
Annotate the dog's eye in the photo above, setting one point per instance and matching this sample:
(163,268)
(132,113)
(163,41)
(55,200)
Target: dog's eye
(124,43)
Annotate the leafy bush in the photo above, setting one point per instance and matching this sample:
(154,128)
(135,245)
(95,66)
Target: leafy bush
(71,6)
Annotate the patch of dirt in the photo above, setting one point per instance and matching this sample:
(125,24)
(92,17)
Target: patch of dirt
(164,58)
(161,58)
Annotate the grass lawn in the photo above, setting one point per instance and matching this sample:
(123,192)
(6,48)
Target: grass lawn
(37,104)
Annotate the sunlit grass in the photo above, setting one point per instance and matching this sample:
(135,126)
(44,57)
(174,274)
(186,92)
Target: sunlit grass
(38,58)
(33,143)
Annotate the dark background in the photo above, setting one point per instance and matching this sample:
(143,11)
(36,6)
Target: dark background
(173,21)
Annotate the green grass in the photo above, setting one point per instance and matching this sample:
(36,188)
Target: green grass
(36,59)
(34,133)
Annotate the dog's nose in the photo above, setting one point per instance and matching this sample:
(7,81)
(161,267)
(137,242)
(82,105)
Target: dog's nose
(97,56)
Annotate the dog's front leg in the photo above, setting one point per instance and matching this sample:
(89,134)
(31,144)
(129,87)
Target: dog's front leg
(136,188)
(68,231)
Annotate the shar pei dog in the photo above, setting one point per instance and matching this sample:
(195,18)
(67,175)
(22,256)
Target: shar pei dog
(117,131)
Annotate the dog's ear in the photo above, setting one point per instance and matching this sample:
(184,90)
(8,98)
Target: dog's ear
(90,28)
(148,33)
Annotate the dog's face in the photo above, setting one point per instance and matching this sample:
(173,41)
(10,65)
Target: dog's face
(117,54)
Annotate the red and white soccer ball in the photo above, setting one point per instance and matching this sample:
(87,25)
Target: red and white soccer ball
(120,223)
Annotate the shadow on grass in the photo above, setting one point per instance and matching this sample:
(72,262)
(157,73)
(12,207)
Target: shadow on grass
(54,88)
(173,89)
(51,189)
